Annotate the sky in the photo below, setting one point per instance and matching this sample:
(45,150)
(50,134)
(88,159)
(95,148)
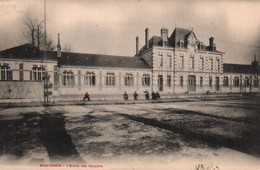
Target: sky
(111,26)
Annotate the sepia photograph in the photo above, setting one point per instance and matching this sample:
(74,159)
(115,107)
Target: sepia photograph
(129,84)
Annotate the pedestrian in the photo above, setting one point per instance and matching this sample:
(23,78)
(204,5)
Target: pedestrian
(157,95)
(125,96)
(147,96)
(86,96)
(154,96)
(135,95)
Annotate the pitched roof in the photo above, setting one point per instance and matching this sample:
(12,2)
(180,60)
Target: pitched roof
(99,60)
(238,68)
(179,34)
(27,52)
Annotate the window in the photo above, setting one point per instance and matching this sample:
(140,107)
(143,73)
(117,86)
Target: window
(164,43)
(168,80)
(68,78)
(129,79)
(146,80)
(160,59)
(181,61)
(246,82)
(181,44)
(169,60)
(110,79)
(37,73)
(192,62)
(201,81)
(201,46)
(201,64)
(255,82)
(236,82)
(181,81)
(6,73)
(225,81)
(211,64)
(218,64)
(210,81)
(214,47)
(90,79)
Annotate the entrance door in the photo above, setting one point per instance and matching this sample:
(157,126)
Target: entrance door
(160,82)
(192,83)
(217,83)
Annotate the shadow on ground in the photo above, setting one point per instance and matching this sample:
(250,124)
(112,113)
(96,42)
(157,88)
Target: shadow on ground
(248,144)
(28,132)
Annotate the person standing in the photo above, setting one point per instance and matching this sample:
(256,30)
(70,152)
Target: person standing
(125,96)
(86,96)
(135,95)
(147,96)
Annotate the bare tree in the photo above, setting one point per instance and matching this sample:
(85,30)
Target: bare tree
(33,33)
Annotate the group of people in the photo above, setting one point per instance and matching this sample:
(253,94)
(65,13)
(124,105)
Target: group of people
(155,96)
(126,96)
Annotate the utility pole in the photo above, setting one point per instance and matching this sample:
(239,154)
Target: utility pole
(46,77)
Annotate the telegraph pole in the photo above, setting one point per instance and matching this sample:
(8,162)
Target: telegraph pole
(46,78)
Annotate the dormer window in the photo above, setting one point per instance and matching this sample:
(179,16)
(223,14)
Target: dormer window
(164,43)
(201,46)
(214,47)
(181,44)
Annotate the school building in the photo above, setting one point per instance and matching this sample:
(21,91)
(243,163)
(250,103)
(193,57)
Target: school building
(170,64)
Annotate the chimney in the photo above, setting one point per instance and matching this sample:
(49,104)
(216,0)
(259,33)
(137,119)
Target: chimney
(164,33)
(147,38)
(137,45)
(58,47)
(211,42)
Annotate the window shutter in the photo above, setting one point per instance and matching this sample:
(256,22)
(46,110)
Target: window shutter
(30,75)
(94,80)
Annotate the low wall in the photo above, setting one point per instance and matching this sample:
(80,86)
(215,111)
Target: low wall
(21,90)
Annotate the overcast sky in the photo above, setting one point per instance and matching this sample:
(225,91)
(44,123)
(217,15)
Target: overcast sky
(110,27)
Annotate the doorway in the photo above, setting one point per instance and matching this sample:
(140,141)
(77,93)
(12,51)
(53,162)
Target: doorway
(217,83)
(160,82)
(191,83)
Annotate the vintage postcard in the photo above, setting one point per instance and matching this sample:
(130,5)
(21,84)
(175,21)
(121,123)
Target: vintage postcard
(129,85)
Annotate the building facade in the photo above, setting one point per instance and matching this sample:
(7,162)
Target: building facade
(175,64)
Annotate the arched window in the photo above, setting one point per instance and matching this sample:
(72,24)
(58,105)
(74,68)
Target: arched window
(225,81)
(236,82)
(68,78)
(37,73)
(146,80)
(255,82)
(129,79)
(90,79)
(6,73)
(246,82)
(110,79)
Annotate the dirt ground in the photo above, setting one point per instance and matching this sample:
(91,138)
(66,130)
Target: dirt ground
(181,135)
